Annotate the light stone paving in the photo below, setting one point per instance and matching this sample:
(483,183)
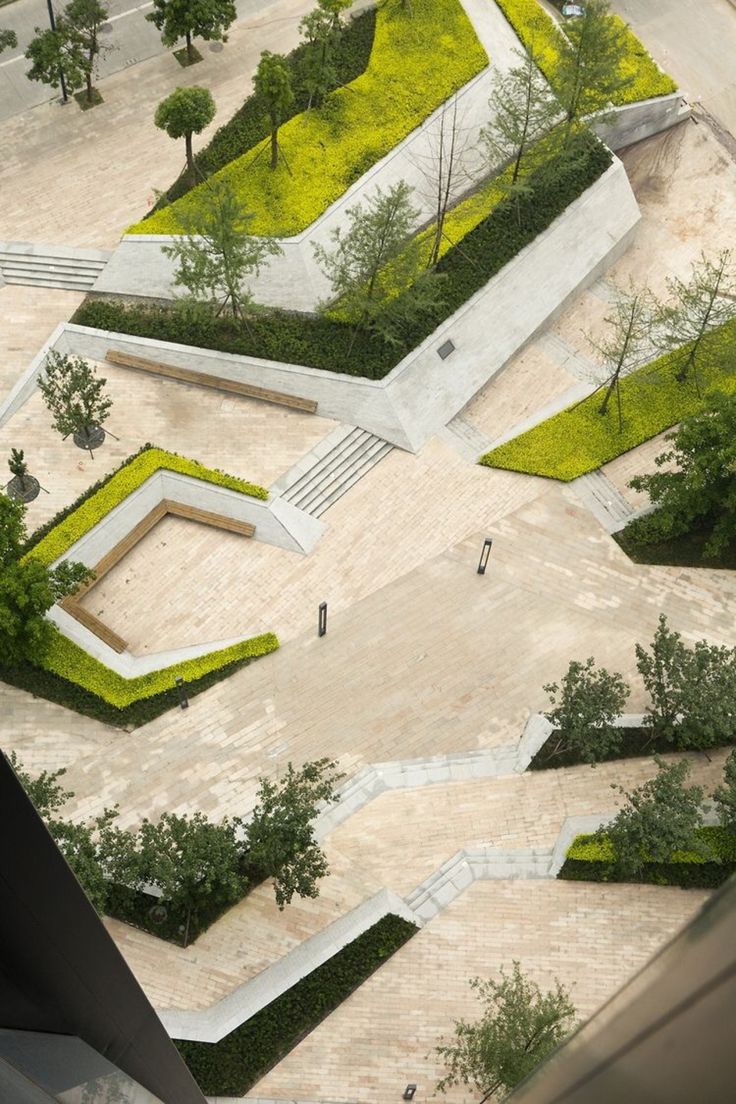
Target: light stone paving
(592,937)
(27,319)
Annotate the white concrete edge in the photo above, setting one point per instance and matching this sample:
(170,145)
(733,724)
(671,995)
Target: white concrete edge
(213,1023)
(25,385)
(575,826)
(58,252)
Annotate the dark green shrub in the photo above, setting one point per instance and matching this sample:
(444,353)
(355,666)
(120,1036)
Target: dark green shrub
(635,742)
(232,1066)
(322,343)
(688,871)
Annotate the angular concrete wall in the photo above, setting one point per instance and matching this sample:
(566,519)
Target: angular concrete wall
(633,122)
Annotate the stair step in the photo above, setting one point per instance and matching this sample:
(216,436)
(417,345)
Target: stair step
(334,473)
(70,283)
(325,479)
(346,484)
(33,260)
(327,464)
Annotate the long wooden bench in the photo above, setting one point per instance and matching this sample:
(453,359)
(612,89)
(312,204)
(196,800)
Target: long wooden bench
(202,379)
(93,623)
(219,521)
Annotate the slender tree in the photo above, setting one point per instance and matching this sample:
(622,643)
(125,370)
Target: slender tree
(75,395)
(375,266)
(57,53)
(584,708)
(590,71)
(725,795)
(660,817)
(523,109)
(700,489)
(519,1028)
(447,171)
(84,18)
(663,671)
(699,307)
(186,111)
(321,30)
(207,19)
(272,83)
(625,347)
(216,253)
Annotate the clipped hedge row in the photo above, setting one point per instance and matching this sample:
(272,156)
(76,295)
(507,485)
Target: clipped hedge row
(250,123)
(419,58)
(232,1066)
(45,684)
(326,343)
(580,440)
(642,541)
(635,743)
(592,860)
(64,530)
(540,32)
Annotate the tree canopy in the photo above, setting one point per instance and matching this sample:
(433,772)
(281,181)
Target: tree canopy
(207,19)
(584,708)
(186,111)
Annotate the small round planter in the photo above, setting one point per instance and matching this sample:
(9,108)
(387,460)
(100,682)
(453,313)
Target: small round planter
(25,489)
(91,438)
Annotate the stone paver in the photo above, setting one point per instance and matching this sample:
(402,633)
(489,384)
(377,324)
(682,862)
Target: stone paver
(27,318)
(593,938)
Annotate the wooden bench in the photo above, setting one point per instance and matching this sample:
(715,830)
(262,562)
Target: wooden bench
(99,628)
(202,379)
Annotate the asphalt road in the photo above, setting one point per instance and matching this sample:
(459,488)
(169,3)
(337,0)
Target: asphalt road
(695,41)
(128,36)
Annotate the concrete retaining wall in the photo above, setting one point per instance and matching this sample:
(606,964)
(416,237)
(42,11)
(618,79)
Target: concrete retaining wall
(633,122)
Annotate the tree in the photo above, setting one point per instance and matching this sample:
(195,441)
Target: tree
(375,267)
(57,53)
(8,40)
(44,791)
(523,109)
(74,395)
(185,112)
(19,469)
(626,346)
(663,672)
(84,18)
(661,816)
(589,70)
(272,83)
(444,173)
(699,307)
(584,708)
(207,19)
(725,795)
(519,1028)
(321,29)
(192,861)
(280,837)
(28,589)
(702,489)
(216,253)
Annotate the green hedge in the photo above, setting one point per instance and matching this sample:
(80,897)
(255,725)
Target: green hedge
(250,123)
(46,684)
(232,1066)
(419,58)
(325,343)
(642,542)
(592,860)
(580,440)
(538,31)
(635,743)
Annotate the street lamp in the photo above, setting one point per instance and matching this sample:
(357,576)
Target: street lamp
(52,21)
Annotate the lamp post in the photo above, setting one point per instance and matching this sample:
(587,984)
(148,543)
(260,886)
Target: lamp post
(52,21)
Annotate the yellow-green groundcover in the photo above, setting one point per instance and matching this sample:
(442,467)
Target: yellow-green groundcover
(538,31)
(65,658)
(580,439)
(419,58)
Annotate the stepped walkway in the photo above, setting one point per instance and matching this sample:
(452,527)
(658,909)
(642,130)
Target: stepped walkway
(51,266)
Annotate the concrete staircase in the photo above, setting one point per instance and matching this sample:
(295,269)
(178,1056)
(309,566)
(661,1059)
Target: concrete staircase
(51,266)
(466,438)
(604,500)
(330,469)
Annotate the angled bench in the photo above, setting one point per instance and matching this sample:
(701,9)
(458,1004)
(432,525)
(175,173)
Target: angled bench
(219,383)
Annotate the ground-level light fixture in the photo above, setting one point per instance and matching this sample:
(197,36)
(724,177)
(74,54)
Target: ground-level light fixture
(485,553)
(408,1093)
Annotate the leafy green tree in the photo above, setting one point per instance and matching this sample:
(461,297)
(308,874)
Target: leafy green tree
(272,83)
(207,19)
(57,53)
(702,488)
(523,109)
(626,345)
(84,19)
(687,326)
(8,40)
(185,112)
(194,863)
(584,708)
(44,791)
(216,253)
(280,836)
(661,816)
(376,267)
(663,670)
(725,795)
(519,1028)
(74,394)
(28,590)
(321,30)
(589,72)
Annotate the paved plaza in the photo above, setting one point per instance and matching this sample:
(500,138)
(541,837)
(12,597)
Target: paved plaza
(423,656)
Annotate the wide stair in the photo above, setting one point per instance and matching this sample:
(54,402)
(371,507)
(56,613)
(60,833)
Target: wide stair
(51,266)
(604,500)
(331,468)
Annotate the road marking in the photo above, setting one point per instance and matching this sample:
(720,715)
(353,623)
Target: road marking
(112,19)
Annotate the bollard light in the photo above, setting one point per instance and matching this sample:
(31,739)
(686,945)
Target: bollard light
(182,692)
(408,1093)
(485,553)
(322,624)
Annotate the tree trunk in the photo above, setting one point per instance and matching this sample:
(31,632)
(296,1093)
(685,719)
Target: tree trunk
(274,141)
(190,157)
(88,78)
(190,52)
